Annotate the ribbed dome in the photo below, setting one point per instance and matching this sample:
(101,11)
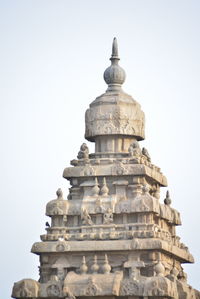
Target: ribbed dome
(114,75)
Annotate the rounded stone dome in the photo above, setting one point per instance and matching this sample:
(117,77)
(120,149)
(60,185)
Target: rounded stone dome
(114,74)
(145,203)
(57,206)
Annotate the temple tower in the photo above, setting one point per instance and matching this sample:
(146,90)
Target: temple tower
(112,236)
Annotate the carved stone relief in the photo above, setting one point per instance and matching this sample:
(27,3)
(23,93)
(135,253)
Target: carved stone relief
(108,217)
(88,170)
(91,288)
(86,218)
(130,288)
(119,168)
(115,120)
(26,288)
(62,246)
(53,290)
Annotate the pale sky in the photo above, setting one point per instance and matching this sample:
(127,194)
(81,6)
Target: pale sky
(52,58)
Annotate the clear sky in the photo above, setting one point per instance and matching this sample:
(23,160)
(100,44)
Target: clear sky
(52,58)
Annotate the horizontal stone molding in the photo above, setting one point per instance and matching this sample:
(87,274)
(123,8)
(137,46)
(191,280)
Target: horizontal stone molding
(113,245)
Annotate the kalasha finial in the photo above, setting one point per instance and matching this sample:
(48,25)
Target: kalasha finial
(83,267)
(167,199)
(106,268)
(114,75)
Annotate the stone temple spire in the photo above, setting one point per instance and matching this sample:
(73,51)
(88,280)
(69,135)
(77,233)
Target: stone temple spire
(112,237)
(114,120)
(114,75)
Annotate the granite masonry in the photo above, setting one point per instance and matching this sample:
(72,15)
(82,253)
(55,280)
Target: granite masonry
(112,236)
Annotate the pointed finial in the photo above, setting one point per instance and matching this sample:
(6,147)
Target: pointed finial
(104,189)
(114,75)
(95,266)
(83,267)
(95,189)
(115,49)
(106,268)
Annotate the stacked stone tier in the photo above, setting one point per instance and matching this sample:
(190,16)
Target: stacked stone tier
(181,255)
(115,167)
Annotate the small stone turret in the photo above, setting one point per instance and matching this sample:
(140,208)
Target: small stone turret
(112,236)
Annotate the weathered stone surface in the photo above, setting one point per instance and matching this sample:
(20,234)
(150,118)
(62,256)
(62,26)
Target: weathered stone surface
(114,113)
(26,288)
(93,284)
(111,237)
(113,245)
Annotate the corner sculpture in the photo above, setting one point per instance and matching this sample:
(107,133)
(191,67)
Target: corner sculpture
(112,237)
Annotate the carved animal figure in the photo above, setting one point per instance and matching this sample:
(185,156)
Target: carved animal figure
(134,149)
(84,152)
(146,154)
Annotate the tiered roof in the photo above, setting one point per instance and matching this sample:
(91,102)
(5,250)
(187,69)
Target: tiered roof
(112,236)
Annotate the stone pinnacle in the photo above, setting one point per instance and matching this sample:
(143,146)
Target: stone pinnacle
(114,75)
(114,50)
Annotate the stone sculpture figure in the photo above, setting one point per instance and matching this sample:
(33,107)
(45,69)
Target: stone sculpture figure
(111,237)
(146,154)
(84,152)
(86,218)
(108,217)
(134,149)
